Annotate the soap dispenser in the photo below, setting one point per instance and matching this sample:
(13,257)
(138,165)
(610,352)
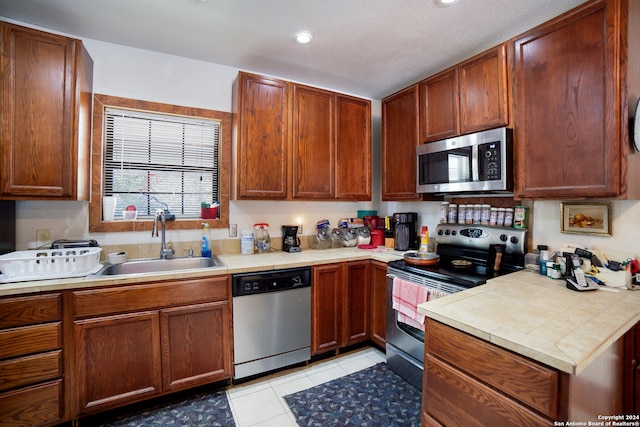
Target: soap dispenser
(206,248)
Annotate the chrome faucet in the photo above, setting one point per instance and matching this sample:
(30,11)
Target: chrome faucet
(164,251)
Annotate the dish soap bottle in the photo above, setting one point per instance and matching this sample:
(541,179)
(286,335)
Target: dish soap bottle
(206,249)
(424,240)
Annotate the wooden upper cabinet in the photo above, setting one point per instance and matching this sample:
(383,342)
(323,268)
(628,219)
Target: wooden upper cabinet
(470,97)
(261,137)
(400,137)
(295,142)
(571,104)
(313,165)
(353,148)
(46,101)
(483,91)
(439,106)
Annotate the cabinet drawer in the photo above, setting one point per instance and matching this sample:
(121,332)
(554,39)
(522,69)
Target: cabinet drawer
(30,339)
(30,310)
(30,369)
(523,379)
(454,398)
(37,405)
(97,302)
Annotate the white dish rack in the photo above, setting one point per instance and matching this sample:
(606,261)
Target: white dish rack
(44,264)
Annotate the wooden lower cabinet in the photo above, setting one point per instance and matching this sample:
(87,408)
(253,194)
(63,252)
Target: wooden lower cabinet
(171,336)
(378,302)
(118,360)
(471,382)
(340,310)
(31,361)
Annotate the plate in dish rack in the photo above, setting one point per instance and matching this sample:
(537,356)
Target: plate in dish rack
(415,258)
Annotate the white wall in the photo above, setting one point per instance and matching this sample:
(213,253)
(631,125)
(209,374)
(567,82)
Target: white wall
(134,73)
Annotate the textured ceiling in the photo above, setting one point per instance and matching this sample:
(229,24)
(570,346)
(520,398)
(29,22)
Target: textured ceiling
(369,48)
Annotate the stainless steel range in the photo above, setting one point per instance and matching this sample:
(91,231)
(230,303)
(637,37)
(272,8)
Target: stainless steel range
(469,255)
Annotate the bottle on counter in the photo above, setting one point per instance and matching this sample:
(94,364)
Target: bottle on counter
(493,216)
(500,218)
(424,240)
(205,247)
(485,217)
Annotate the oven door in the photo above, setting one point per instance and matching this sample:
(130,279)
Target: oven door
(405,344)
(406,338)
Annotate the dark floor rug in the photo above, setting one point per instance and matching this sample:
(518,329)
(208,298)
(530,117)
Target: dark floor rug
(206,409)
(373,397)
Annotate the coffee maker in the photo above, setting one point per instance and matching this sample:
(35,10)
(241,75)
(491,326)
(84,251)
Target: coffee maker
(290,240)
(405,232)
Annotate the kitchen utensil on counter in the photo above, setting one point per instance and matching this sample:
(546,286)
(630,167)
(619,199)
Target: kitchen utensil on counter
(406,236)
(377,237)
(421,259)
(290,240)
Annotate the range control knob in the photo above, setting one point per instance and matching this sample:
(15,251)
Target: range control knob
(504,237)
(514,239)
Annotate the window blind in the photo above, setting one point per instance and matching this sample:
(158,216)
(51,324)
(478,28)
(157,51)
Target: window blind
(155,161)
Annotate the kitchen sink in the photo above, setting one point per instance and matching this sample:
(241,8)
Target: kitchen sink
(157,265)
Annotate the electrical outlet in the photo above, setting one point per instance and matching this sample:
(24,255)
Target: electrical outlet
(43,237)
(233,230)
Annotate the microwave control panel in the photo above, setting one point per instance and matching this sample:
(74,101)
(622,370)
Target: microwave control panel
(489,159)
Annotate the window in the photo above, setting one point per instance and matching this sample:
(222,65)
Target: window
(155,161)
(155,155)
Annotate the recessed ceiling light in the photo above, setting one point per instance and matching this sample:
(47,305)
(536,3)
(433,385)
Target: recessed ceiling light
(303,37)
(445,3)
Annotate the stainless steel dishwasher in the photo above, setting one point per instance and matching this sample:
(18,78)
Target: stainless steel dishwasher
(271,320)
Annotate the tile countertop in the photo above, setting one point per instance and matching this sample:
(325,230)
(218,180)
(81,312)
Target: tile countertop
(540,318)
(234,264)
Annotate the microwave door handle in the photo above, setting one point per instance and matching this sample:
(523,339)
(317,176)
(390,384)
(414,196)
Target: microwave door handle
(475,164)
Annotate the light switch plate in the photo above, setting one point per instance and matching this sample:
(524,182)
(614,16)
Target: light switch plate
(233,230)
(43,237)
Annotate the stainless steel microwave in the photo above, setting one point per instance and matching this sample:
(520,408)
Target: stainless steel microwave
(475,163)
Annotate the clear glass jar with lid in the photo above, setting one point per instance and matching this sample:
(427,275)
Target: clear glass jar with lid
(444,212)
(486,214)
(477,213)
(508,217)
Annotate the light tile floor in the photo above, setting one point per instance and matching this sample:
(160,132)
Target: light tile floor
(260,403)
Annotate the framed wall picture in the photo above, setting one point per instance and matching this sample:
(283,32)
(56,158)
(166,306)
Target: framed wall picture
(586,218)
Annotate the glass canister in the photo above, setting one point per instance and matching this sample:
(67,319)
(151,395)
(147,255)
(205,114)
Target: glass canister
(462,209)
(452,216)
(337,237)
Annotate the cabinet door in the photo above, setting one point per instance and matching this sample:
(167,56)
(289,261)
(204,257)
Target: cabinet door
(399,141)
(483,91)
(568,105)
(356,308)
(439,106)
(353,148)
(261,108)
(46,84)
(118,360)
(196,345)
(378,302)
(312,164)
(326,293)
